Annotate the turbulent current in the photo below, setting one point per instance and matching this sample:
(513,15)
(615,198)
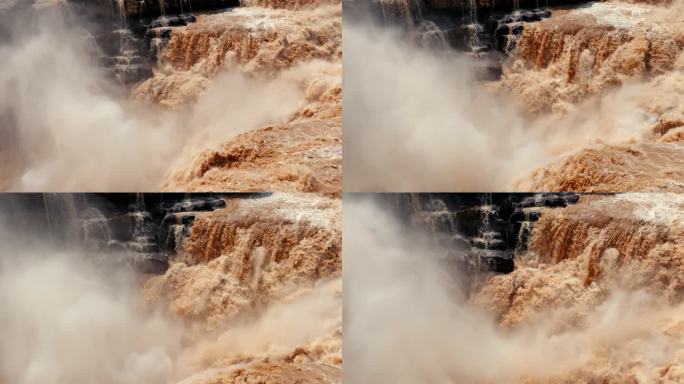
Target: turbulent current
(243,98)
(596,297)
(588,99)
(252,294)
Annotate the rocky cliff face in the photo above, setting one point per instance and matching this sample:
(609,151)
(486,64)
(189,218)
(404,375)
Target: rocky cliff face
(481,232)
(610,58)
(578,253)
(579,53)
(173,53)
(275,258)
(250,288)
(140,230)
(291,45)
(154,8)
(604,257)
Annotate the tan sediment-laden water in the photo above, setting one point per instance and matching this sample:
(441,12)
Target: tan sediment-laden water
(101,96)
(582,97)
(595,293)
(170,289)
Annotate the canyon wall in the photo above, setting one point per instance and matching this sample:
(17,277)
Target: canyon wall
(244,98)
(636,233)
(260,259)
(607,256)
(154,8)
(252,293)
(612,67)
(291,46)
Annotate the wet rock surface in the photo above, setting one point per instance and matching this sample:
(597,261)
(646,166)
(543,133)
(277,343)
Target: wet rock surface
(459,25)
(487,30)
(142,231)
(132,33)
(154,8)
(484,230)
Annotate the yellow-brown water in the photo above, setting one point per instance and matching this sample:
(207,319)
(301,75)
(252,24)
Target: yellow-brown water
(597,298)
(262,79)
(253,295)
(589,100)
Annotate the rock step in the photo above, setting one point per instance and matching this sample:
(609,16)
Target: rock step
(497,5)
(155,8)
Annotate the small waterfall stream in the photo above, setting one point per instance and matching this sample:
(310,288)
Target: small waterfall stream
(134,41)
(140,230)
(486,30)
(410,14)
(486,231)
(474,29)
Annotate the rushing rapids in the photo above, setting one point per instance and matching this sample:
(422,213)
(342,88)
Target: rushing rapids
(595,297)
(546,97)
(200,95)
(252,292)
(297,43)
(627,55)
(485,230)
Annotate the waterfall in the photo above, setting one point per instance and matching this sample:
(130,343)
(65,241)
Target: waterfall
(430,35)
(410,13)
(439,216)
(121,7)
(141,4)
(186,6)
(48,221)
(523,234)
(487,239)
(60,216)
(125,56)
(140,201)
(94,229)
(178,231)
(474,29)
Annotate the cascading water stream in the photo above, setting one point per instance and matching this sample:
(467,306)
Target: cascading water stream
(94,228)
(401,9)
(410,13)
(186,6)
(525,231)
(488,240)
(126,55)
(60,216)
(483,232)
(474,29)
(140,201)
(48,220)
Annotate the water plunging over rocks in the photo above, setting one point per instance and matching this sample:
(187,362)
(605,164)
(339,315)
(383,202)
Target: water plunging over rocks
(515,84)
(484,231)
(215,280)
(243,97)
(596,297)
(139,30)
(483,29)
(143,231)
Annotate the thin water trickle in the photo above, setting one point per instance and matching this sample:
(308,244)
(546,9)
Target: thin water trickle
(410,12)
(47,213)
(94,229)
(474,29)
